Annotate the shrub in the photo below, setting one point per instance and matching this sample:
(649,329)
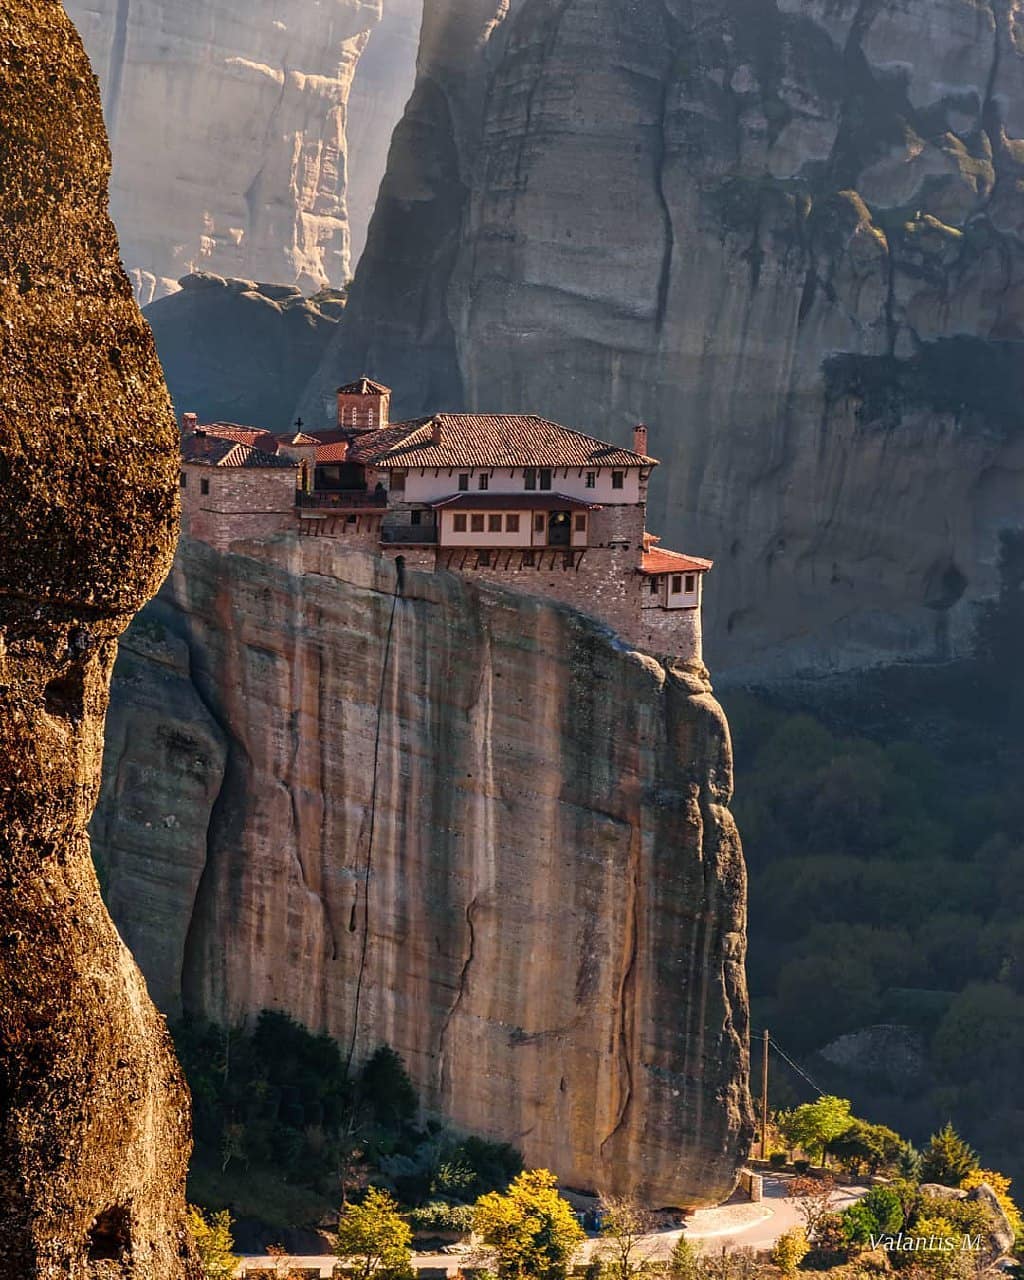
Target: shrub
(439,1215)
(878,1213)
(777,1159)
(789,1251)
(476,1166)
(801,1166)
(213,1241)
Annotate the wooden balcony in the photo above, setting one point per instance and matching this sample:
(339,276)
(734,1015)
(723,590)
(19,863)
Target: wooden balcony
(341,500)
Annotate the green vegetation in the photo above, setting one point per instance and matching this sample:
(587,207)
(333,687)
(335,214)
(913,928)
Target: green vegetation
(284,1134)
(789,1251)
(947,1158)
(883,836)
(815,1125)
(531,1230)
(374,1240)
(211,1234)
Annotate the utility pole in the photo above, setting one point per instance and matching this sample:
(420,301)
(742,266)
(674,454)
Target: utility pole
(764,1098)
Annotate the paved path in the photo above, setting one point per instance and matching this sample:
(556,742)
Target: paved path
(737,1223)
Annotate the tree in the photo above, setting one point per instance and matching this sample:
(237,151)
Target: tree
(624,1226)
(374,1239)
(814,1199)
(214,1242)
(385,1085)
(790,1250)
(1000,1185)
(879,1213)
(532,1231)
(813,1126)
(947,1158)
(686,1262)
(867,1147)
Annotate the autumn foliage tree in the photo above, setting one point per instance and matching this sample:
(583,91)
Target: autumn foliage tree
(373,1239)
(531,1230)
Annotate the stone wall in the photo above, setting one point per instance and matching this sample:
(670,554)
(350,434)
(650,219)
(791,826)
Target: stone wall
(242,503)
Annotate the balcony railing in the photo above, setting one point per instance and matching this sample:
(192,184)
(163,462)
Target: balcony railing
(341,499)
(417,535)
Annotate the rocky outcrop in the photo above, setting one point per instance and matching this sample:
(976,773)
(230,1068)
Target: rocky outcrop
(785,234)
(459,820)
(94,1131)
(228,124)
(236,351)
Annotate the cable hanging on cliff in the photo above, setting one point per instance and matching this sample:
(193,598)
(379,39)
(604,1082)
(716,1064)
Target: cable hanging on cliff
(372,827)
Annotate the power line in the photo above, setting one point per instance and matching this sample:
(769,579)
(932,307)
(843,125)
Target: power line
(789,1061)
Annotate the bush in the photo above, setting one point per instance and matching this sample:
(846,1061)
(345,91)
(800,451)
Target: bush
(879,1213)
(476,1166)
(439,1215)
(789,1251)
(777,1159)
(801,1166)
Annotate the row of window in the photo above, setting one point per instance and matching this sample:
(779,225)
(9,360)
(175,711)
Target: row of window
(538,478)
(475,523)
(677,584)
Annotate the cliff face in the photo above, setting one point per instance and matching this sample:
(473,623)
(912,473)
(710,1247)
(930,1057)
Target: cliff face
(94,1135)
(228,125)
(461,821)
(236,351)
(787,234)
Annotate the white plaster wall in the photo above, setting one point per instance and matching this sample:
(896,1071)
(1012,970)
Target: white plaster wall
(428,485)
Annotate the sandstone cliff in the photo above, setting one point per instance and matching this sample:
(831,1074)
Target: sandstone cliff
(94,1133)
(228,125)
(786,233)
(462,821)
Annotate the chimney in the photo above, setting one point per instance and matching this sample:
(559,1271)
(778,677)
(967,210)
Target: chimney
(189,422)
(640,439)
(435,431)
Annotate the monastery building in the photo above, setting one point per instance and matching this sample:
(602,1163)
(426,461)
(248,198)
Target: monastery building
(510,498)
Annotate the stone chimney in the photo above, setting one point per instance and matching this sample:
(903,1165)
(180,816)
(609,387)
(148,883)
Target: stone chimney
(640,439)
(435,431)
(189,422)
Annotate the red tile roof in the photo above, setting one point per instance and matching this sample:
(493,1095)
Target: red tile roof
(255,437)
(335,452)
(364,386)
(210,450)
(657,562)
(513,502)
(491,440)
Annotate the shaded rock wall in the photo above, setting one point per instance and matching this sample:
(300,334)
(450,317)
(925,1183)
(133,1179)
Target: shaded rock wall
(785,233)
(465,822)
(94,1124)
(236,351)
(228,125)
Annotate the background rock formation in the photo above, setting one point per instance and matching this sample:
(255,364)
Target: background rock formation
(462,821)
(787,234)
(228,124)
(235,351)
(93,1115)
